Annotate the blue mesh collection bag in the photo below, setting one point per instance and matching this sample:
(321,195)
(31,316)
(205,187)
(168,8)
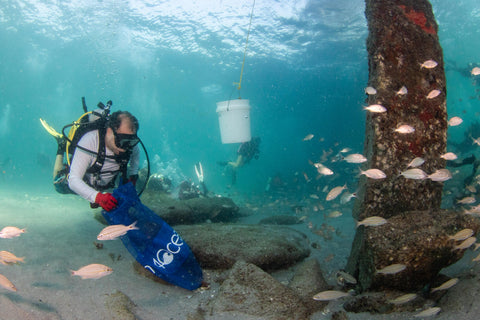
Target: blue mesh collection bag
(156,246)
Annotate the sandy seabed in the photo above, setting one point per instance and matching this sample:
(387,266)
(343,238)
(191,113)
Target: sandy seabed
(61,231)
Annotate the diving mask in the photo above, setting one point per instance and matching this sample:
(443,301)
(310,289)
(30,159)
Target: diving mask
(126,141)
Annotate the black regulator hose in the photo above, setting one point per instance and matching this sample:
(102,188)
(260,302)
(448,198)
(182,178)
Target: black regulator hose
(148,168)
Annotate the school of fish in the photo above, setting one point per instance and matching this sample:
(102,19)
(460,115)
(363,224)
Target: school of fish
(90,271)
(463,239)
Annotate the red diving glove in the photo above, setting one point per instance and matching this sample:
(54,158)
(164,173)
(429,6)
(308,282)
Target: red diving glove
(106,201)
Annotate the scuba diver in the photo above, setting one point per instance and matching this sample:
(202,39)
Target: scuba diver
(103,147)
(245,153)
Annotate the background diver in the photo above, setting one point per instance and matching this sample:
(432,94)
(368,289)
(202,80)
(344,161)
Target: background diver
(245,153)
(99,157)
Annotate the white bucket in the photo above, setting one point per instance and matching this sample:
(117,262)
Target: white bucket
(234,120)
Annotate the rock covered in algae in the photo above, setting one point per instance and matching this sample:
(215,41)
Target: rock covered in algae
(420,240)
(219,246)
(307,281)
(254,293)
(191,211)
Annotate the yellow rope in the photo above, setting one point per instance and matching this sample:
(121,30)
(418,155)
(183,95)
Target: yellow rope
(245,52)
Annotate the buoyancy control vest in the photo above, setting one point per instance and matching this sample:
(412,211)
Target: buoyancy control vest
(90,121)
(98,120)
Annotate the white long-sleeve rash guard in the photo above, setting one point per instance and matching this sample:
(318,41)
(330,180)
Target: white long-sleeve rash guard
(83,160)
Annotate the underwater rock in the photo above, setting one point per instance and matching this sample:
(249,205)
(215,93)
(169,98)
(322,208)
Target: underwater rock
(191,211)
(219,246)
(254,293)
(307,281)
(120,306)
(417,239)
(404,50)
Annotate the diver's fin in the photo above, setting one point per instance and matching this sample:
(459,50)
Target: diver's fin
(50,129)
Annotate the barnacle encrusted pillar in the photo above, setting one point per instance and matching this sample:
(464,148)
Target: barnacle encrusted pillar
(402,36)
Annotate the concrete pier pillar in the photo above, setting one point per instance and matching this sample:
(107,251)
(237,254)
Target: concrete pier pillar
(404,52)
(402,36)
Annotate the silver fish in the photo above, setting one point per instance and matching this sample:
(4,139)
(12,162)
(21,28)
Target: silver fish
(11,232)
(347,196)
(330,295)
(428,312)
(429,64)
(404,298)
(375,108)
(343,278)
(446,285)
(416,162)
(405,128)
(433,94)
(455,121)
(7,258)
(335,214)
(370,90)
(355,158)
(467,243)
(335,192)
(415,173)
(321,169)
(475,71)
(392,269)
(462,235)
(308,137)
(7,284)
(115,231)
(467,200)
(440,175)
(449,156)
(92,271)
(403,90)
(374,173)
(373,221)
(475,210)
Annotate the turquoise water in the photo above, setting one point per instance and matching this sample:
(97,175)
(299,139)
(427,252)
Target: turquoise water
(169,62)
